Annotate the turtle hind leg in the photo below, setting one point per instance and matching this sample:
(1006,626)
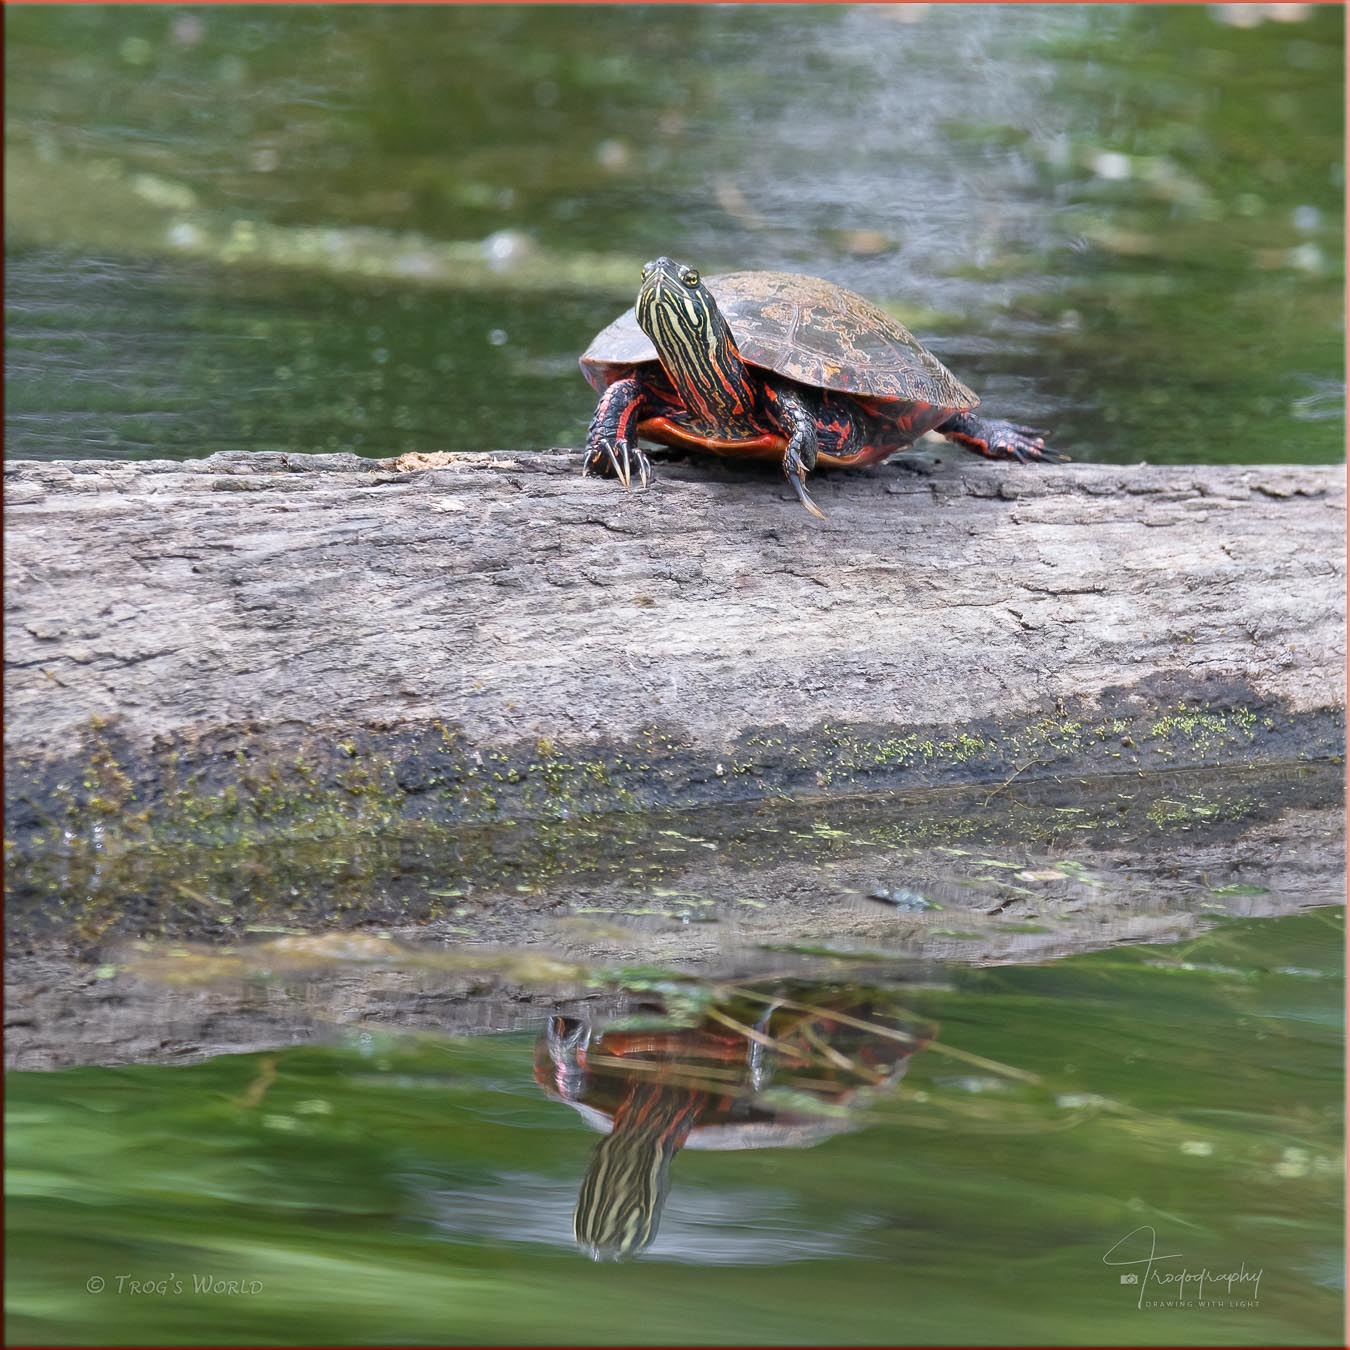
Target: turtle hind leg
(798,423)
(996,439)
(612,448)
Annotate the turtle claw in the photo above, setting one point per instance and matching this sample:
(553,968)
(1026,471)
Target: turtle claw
(799,487)
(644,466)
(1014,441)
(619,463)
(618,459)
(795,469)
(996,439)
(1030,444)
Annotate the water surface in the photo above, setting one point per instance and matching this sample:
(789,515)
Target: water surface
(419,1189)
(394,229)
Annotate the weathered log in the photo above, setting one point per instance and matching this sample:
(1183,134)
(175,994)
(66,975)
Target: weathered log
(202,645)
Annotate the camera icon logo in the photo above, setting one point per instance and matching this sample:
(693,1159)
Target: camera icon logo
(1131,1278)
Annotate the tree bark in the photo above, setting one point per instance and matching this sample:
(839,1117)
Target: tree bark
(492,636)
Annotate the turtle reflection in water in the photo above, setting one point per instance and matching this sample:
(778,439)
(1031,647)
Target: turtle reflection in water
(767,1068)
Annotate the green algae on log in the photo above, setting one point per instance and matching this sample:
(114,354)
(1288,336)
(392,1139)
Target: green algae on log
(224,646)
(489,923)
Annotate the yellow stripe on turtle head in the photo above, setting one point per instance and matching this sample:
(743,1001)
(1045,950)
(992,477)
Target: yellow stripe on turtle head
(696,346)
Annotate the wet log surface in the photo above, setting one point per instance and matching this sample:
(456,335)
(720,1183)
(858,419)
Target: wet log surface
(952,620)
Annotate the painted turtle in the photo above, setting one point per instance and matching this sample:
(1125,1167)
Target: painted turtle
(656,1090)
(772,365)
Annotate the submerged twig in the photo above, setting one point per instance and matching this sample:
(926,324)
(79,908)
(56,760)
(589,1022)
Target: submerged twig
(257,1089)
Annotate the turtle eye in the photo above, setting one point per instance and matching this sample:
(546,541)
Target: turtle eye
(689,277)
(648,269)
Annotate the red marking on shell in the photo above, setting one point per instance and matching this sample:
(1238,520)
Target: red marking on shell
(665,432)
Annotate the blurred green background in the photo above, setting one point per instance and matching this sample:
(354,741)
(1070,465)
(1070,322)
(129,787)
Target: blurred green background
(392,228)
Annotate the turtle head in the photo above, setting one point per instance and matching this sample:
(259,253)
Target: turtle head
(622,1195)
(624,1190)
(667,283)
(696,346)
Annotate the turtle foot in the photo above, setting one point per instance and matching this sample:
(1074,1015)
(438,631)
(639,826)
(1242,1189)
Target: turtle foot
(567,1039)
(996,439)
(618,459)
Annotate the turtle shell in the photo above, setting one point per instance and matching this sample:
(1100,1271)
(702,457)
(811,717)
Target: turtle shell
(732,1117)
(808,330)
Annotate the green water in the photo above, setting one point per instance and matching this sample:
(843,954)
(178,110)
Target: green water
(388,229)
(407,1190)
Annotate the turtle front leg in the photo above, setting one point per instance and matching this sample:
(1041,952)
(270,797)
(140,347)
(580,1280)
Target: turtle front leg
(568,1039)
(612,448)
(995,439)
(798,423)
